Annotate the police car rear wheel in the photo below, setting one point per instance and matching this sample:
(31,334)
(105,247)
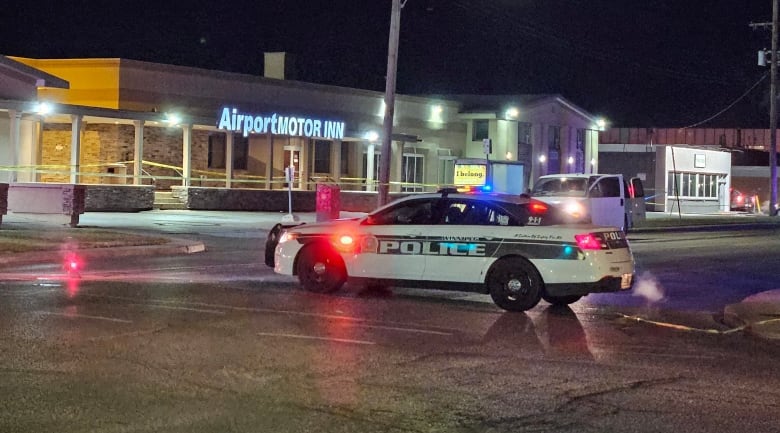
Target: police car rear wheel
(514,284)
(320,269)
(561,300)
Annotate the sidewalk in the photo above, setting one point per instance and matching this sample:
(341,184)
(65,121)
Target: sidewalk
(758,315)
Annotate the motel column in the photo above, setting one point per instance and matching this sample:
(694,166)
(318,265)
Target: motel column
(565,151)
(269,168)
(13,143)
(229,139)
(370,166)
(76,124)
(591,151)
(138,152)
(186,154)
(396,165)
(335,160)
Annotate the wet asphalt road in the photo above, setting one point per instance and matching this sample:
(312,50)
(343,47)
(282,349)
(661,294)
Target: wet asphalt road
(214,342)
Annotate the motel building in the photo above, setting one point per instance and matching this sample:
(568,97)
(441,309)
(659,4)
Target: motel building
(129,130)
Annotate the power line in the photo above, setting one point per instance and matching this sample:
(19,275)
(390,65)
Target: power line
(763,77)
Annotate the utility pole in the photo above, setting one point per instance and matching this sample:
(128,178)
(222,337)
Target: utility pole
(773,115)
(772,105)
(387,126)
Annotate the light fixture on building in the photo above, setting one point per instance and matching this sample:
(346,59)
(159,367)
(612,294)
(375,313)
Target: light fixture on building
(542,158)
(570,160)
(601,123)
(509,155)
(371,136)
(512,113)
(43,108)
(172,119)
(435,114)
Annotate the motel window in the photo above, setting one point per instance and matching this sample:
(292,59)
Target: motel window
(413,172)
(524,146)
(692,185)
(377,158)
(524,133)
(344,157)
(579,156)
(321,156)
(480,129)
(553,149)
(240,152)
(216,157)
(218,153)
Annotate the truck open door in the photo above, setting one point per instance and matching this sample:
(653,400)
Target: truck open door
(607,201)
(636,207)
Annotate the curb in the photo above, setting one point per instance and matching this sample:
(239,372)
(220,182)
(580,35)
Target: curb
(754,322)
(174,246)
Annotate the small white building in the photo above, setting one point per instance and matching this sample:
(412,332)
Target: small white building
(677,178)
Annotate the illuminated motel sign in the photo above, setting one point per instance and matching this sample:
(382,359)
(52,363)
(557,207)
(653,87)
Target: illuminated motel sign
(470,174)
(233,120)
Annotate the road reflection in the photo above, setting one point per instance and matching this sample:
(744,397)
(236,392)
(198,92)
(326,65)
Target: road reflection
(557,332)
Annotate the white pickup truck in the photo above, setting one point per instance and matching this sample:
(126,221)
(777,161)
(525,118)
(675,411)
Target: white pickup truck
(602,199)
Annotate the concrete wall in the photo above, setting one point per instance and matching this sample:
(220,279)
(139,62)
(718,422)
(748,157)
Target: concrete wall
(48,199)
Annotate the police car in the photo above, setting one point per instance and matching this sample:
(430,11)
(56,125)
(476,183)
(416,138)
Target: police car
(517,249)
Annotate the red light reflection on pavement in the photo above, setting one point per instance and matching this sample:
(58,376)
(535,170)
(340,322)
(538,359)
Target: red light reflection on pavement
(72,284)
(339,325)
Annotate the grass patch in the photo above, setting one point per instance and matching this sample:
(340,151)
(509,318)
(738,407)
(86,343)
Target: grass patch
(21,241)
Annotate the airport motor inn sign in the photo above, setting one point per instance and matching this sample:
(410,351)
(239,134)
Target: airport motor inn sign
(247,123)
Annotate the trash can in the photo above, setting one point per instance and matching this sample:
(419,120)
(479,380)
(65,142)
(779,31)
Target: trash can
(328,202)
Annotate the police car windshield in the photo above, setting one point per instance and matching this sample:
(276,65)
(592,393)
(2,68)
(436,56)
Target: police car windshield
(561,186)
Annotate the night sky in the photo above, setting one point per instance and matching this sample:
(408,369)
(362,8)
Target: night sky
(663,63)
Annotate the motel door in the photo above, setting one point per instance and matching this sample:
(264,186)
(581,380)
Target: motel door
(413,172)
(292,155)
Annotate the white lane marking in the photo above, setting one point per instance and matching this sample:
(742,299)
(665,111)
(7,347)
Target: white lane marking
(168,307)
(82,316)
(313,337)
(356,320)
(396,328)
(30,292)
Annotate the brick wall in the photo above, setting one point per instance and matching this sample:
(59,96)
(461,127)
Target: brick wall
(119,198)
(3,199)
(197,198)
(106,144)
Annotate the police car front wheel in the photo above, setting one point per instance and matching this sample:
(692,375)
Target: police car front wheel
(321,269)
(514,284)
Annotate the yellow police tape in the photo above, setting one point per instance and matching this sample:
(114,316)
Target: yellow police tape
(64,169)
(691,329)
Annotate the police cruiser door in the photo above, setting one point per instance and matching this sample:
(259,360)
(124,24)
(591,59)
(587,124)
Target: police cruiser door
(392,245)
(466,238)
